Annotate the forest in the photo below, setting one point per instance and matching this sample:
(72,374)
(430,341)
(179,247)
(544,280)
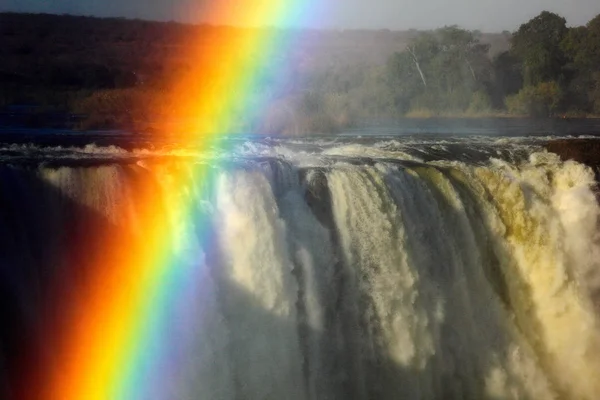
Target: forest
(114,72)
(549,70)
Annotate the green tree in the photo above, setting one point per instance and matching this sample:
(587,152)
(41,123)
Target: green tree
(581,46)
(440,71)
(405,82)
(537,44)
(507,77)
(595,94)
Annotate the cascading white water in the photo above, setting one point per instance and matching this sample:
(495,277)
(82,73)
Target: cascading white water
(362,280)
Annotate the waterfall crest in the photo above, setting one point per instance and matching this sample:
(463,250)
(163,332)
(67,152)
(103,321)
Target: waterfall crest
(360,280)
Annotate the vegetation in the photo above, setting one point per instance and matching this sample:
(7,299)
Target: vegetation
(116,71)
(549,70)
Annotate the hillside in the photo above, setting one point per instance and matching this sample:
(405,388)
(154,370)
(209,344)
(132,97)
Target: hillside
(41,51)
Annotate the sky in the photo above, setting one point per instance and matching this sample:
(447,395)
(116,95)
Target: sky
(485,15)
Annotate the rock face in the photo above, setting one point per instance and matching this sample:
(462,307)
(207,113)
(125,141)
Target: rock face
(586,151)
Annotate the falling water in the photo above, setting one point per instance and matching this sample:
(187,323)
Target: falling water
(381,278)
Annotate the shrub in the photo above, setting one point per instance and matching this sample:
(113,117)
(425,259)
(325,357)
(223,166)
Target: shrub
(119,109)
(420,113)
(541,100)
(480,103)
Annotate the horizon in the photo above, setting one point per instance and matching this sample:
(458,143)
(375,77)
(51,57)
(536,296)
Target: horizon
(488,16)
(272,27)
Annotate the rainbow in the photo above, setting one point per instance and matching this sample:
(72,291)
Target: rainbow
(112,339)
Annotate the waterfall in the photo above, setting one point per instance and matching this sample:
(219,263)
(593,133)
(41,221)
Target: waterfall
(361,280)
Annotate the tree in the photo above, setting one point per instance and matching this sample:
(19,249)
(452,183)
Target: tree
(537,45)
(421,51)
(595,94)
(581,47)
(440,71)
(404,80)
(508,79)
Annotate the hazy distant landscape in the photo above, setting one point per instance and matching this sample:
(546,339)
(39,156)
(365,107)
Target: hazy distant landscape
(95,73)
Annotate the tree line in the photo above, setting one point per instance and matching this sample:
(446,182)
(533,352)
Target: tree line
(549,70)
(115,71)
